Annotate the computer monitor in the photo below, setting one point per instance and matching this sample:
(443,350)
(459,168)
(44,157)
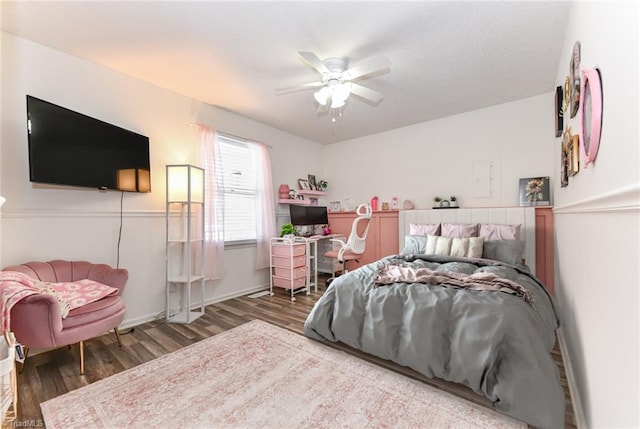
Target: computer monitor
(308,216)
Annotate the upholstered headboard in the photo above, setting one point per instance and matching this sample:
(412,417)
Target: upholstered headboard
(524,216)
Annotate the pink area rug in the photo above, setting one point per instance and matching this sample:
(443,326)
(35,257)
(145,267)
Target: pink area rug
(260,376)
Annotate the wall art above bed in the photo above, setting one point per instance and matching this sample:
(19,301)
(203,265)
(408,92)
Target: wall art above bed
(535,191)
(559,115)
(590,114)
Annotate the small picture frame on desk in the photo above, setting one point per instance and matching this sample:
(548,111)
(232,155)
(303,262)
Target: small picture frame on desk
(335,206)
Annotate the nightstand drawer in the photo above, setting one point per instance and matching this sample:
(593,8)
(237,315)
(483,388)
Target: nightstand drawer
(288,250)
(296,261)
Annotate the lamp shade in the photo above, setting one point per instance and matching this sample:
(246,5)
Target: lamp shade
(134,180)
(185,183)
(2,200)
(322,96)
(342,91)
(336,103)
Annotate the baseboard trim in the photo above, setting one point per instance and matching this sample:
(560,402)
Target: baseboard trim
(130,323)
(578,411)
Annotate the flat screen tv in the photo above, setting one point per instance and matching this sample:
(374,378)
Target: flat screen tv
(308,215)
(69,148)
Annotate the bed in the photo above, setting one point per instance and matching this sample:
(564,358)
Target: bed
(482,321)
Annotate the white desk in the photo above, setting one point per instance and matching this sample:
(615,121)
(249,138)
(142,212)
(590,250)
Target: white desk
(323,245)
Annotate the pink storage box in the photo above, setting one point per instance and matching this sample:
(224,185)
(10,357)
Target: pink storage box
(298,261)
(287,284)
(285,250)
(287,274)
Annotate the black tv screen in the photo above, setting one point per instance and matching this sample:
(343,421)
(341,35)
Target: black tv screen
(308,215)
(69,148)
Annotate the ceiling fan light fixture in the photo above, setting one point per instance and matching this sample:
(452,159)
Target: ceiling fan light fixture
(336,81)
(322,96)
(336,102)
(342,91)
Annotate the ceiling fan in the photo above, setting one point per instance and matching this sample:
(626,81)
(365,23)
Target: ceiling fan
(337,81)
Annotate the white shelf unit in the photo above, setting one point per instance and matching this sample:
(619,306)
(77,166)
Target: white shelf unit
(8,381)
(185,243)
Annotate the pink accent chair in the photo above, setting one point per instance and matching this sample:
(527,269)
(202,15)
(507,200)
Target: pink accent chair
(37,322)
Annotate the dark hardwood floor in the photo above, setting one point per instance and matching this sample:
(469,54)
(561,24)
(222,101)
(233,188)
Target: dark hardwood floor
(56,372)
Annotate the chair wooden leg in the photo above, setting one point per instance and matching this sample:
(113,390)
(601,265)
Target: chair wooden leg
(81,357)
(24,362)
(117,332)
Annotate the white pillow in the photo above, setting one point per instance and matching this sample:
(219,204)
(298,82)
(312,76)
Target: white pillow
(468,247)
(459,247)
(431,244)
(476,245)
(443,246)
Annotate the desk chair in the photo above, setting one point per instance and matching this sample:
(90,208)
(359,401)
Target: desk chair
(355,245)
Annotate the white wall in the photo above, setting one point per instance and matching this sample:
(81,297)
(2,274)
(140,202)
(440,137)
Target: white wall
(597,224)
(44,222)
(436,158)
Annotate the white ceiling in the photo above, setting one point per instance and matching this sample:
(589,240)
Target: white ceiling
(446,57)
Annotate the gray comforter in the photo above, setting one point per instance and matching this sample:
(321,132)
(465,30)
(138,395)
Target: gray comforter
(495,343)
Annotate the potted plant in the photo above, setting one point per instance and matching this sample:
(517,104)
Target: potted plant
(322,185)
(287,229)
(453,201)
(437,202)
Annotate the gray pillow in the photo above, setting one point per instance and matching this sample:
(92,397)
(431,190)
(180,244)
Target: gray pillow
(508,251)
(414,244)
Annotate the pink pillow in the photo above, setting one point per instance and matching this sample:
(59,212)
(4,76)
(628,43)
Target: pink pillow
(424,229)
(492,231)
(459,230)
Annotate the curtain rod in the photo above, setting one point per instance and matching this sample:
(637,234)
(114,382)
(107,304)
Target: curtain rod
(242,139)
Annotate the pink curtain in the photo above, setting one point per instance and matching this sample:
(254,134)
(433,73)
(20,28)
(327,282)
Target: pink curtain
(265,207)
(214,204)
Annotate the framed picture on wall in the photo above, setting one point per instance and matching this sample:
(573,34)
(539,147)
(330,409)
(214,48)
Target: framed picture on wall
(564,160)
(573,156)
(535,191)
(558,104)
(574,74)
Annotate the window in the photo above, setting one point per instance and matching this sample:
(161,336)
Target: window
(238,169)
(239,200)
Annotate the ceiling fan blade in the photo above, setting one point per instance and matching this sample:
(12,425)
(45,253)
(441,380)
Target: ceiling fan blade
(366,93)
(366,68)
(313,60)
(296,88)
